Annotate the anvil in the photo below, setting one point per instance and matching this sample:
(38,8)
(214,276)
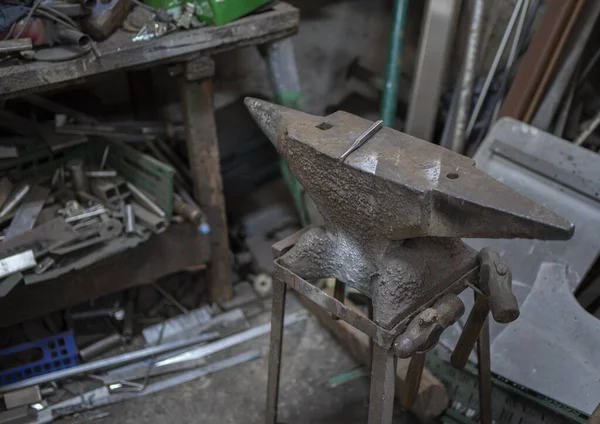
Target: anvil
(394,209)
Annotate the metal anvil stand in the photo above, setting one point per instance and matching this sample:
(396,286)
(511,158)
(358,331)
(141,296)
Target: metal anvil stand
(412,337)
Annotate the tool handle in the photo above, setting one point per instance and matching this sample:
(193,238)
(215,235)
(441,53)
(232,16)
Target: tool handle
(477,318)
(495,279)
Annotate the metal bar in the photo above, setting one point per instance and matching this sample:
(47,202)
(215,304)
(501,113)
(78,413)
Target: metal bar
(145,200)
(547,109)
(17,45)
(129,219)
(170,298)
(230,341)
(102,397)
(107,363)
(484,374)
(437,32)
(383,380)
(275,347)
(390,93)
(413,380)
(467,78)
(470,334)
(493,68)
(16,263)
(14,200)
(557,51)
(588,131)
(363,138)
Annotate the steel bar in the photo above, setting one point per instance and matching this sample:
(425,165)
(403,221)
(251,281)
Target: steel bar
(100,346)
(435,45)
(467,78)
(413,380)
(484,374)
(28,211)
(394,63)
(492,72)
(107,363)
(275,348)
(383,381)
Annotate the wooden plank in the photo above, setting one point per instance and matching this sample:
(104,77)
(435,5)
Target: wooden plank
(432,398)
(119,52)
(203,150)
(180,247)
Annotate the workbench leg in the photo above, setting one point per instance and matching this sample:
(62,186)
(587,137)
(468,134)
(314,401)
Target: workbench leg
(383,379)
(203,151)
(275,346)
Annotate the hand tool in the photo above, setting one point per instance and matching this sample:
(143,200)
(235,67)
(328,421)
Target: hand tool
(394,214)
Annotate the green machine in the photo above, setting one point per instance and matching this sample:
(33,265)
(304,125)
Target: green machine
(212,12)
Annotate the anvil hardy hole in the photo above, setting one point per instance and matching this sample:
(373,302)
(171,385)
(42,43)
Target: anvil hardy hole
(452,176)
(324,126)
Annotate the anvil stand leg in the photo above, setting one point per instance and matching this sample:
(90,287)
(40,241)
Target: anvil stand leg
(275,345)
(383,380)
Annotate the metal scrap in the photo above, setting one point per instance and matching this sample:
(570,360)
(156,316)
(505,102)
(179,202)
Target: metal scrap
(15,263)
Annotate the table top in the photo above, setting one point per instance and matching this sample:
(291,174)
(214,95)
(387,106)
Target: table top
(118,52)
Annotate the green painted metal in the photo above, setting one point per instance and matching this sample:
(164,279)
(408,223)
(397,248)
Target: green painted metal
(390,92)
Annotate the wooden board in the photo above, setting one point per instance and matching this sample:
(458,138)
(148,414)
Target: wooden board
(432,398)
(180,247)
(119,52)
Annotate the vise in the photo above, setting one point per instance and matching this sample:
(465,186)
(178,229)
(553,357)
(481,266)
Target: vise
(395,209)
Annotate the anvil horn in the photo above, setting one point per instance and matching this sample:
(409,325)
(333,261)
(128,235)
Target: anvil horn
(398,186)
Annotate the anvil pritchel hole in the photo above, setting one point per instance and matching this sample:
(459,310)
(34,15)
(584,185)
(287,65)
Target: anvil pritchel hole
(324,126)
(452,176)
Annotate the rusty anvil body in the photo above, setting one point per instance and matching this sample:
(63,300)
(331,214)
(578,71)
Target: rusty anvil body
(394,211)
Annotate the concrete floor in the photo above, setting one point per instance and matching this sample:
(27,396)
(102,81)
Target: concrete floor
(237,395)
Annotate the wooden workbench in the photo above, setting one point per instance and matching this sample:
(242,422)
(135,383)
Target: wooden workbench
(187,54)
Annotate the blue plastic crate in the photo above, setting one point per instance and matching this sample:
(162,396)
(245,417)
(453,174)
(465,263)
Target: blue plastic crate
(59,352)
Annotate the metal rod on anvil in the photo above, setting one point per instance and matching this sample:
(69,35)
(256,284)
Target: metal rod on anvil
(363,138)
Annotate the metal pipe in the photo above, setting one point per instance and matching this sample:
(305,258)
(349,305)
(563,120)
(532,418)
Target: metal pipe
(390,93)
(588,131)
(468,77)
(108,362)
(10,46)
(100,346)
(493,68)
(129,219)
(74,37)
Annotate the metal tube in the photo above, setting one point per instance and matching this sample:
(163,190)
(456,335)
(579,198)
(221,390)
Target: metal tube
(108,362)
(142,197)
(9,46)
(468,78)
(493,68)
(390,93)
(588,131)
(74,37)
(101,174)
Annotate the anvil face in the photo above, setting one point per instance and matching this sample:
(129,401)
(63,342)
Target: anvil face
(394,209)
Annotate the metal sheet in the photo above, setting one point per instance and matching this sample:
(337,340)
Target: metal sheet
(561,360)
(28,211)
(435,47)
(562,177)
